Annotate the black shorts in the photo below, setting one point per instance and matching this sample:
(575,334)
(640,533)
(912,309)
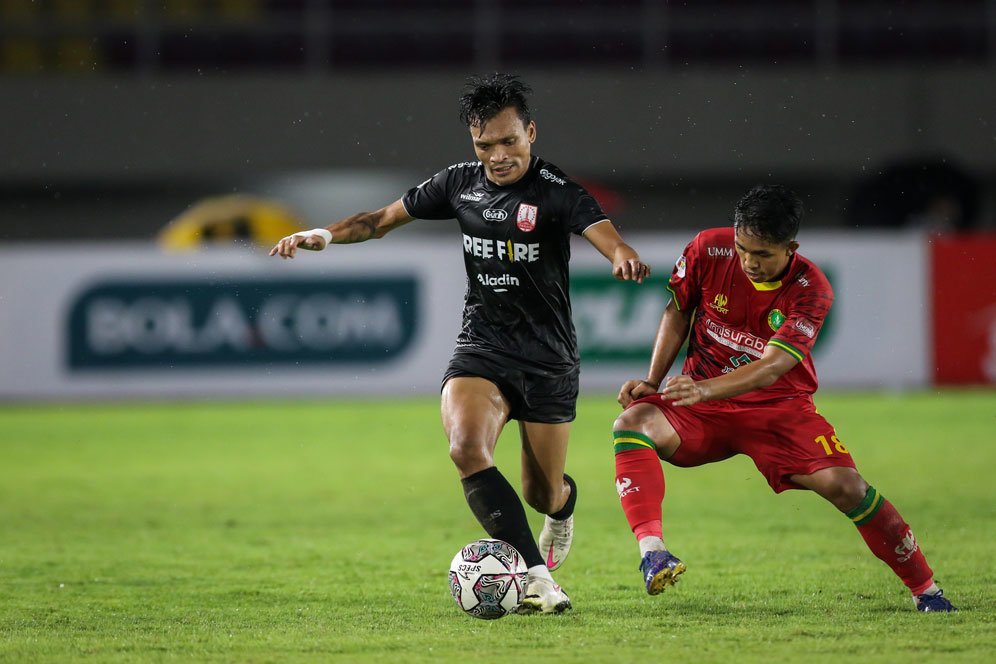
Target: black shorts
(533,395)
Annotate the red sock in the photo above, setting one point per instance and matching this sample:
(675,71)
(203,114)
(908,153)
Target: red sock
(889,537)
(640,483)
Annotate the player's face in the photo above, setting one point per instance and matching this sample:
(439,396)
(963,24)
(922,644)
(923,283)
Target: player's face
(503,145)
(763,261)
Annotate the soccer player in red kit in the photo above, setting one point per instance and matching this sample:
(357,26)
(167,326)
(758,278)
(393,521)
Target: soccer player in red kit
(751,309)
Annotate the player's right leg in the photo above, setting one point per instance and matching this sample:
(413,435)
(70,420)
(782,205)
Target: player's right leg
(474,411)
(641,436)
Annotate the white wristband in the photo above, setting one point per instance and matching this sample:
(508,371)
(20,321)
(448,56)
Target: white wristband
(323,233)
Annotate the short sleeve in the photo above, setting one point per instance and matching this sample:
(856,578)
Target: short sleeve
(585,212)
(684,284)
(804,319)
(430,200)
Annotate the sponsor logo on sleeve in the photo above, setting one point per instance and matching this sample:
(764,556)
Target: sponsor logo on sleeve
(680,266)
(472,196)
(547,175)
(525,220)
(806,327)
(723,252)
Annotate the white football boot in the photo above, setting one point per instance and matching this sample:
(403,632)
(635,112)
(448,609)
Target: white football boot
(555,540)
(543,595)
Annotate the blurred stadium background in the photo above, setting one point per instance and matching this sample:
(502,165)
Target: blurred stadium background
(153,149)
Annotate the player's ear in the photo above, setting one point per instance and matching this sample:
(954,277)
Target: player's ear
(531,131)
(793,247)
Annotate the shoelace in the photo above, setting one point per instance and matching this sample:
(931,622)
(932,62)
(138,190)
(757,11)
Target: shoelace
(535,583)
(562,531)
(669,561)
(933,602)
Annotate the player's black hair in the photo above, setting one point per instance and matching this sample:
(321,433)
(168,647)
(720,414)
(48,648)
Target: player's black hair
(486,96)
(770,212)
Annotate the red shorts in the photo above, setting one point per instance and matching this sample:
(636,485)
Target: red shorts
(783,438)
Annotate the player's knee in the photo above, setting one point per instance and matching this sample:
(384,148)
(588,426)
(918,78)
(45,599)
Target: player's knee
(847,491)
(468,455)
(629,420)
(644,421)
(852,493)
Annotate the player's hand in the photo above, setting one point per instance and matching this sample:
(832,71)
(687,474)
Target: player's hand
(633,390)
(683,391)
(289,245)
(631,269)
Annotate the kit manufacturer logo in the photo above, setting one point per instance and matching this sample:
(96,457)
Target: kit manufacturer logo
(719,303)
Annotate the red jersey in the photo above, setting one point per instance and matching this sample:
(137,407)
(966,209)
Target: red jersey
(735,318)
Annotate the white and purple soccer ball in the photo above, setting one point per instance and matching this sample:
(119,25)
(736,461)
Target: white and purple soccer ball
(488,578)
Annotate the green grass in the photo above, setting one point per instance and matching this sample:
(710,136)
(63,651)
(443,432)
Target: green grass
(275,532)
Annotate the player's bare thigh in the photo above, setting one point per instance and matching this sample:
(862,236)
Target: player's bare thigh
(544,454)
(650,421)
(474,413)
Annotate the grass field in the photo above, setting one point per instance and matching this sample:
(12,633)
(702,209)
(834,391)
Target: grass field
(275,532)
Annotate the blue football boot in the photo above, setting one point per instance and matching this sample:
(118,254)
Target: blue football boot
(936,602)
(660,570)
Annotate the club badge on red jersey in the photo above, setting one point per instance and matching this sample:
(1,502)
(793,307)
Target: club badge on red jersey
(525,220)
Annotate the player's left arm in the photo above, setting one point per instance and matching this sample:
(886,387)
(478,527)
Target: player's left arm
(626,263)
(774,363)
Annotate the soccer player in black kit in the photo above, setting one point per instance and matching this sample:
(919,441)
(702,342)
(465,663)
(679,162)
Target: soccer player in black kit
(516,356)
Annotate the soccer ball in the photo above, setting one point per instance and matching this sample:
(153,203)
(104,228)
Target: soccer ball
(487,578)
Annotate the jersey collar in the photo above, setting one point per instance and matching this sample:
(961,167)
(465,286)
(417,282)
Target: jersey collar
(766,285)
(774,285)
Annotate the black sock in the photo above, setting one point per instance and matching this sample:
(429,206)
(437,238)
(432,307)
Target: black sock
(499,510)
(568,508)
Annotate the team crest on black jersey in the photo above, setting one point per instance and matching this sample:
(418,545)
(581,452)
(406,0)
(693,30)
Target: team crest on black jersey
(525,220)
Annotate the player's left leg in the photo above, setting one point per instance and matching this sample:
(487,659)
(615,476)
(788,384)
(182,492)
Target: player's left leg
(882,527)
(548,490)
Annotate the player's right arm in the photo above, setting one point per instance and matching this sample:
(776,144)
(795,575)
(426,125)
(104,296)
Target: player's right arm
(359,227)
(671,334)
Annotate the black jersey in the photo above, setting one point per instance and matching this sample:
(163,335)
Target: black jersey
(516,248)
